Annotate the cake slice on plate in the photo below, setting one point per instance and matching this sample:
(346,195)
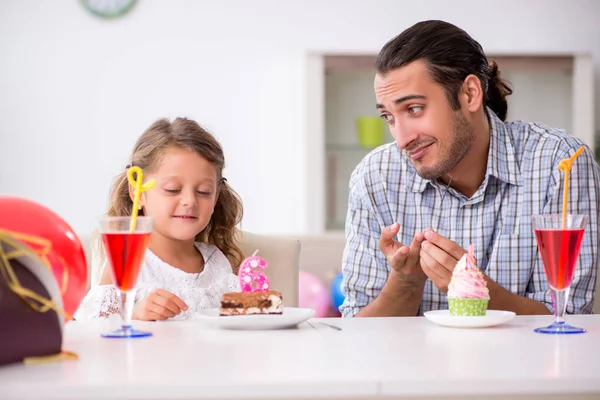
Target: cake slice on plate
(251,303)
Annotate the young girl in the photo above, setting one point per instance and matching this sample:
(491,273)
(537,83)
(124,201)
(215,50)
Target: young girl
(188,264)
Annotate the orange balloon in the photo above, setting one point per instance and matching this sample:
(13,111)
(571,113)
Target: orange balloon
(53,240)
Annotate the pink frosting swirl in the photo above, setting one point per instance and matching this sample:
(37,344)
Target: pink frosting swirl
(467,280)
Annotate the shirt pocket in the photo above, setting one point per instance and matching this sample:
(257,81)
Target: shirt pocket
(510,262)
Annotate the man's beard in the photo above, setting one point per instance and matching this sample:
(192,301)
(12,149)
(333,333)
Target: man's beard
(462,141)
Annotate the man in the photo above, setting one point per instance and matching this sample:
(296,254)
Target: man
(458,174)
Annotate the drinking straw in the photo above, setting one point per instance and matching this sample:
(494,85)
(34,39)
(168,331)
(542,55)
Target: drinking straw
(139,187)
(565,165)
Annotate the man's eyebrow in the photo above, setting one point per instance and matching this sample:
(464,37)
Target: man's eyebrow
(403,99)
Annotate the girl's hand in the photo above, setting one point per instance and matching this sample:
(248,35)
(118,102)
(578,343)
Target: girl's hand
(158,305)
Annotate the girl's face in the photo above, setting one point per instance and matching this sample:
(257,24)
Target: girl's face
(184,197)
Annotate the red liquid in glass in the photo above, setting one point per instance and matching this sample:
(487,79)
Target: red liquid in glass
(559,249)
(125,253)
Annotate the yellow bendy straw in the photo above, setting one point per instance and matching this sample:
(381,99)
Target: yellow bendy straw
(565,165)
(139,188)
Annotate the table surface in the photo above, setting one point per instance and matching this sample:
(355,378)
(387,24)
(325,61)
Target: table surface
(368,358)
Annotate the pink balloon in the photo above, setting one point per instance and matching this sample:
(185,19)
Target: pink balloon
(312,293)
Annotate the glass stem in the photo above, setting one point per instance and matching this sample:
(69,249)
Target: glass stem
(559,298)
(127,301)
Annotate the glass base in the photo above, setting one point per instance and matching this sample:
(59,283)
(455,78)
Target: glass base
(126,332)
(559,328)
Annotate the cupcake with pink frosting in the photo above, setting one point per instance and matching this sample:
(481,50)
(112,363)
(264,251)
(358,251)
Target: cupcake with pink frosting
(468,294)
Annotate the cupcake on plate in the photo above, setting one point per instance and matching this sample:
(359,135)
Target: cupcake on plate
(468,295)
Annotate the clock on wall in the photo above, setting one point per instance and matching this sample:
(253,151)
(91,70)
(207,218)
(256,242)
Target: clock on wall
(108,8)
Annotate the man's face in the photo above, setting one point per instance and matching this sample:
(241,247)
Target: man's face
(434,137)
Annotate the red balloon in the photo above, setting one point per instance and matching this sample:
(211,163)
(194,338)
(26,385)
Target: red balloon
(53,240)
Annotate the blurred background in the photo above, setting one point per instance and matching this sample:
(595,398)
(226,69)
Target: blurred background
(280,83)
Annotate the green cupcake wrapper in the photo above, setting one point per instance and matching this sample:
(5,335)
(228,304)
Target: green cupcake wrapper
(467,307)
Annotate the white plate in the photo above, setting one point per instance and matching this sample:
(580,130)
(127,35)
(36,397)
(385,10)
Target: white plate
(289,318)
(491,318)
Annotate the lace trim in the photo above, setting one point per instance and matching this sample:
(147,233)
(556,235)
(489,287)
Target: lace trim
(102,301)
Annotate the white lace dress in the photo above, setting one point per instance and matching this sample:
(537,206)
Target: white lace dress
(198,290)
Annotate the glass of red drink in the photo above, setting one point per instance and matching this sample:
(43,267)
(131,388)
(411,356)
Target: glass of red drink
(125,243)
(559,247)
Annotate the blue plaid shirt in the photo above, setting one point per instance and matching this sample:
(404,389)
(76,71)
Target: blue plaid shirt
(521,179)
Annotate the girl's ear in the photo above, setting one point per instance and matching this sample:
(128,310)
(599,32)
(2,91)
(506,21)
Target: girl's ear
(216,200)
(131,191)
(132,196)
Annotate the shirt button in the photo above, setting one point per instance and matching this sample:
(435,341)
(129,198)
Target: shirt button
(467,206)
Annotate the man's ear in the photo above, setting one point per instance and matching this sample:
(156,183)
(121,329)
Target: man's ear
(471,94)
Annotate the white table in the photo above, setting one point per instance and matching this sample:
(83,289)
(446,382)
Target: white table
(388,358)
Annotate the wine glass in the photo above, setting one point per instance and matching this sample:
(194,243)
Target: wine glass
(125,241)
(559,241)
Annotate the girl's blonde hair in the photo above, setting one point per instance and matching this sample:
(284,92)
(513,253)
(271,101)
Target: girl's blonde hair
(187,134)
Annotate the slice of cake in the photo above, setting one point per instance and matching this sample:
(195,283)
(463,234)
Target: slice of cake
(251,303)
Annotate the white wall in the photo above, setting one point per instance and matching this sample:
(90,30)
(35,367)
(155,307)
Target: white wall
(76,91)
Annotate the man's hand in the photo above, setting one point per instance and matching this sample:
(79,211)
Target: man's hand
(403,290)
(438,257)
(404,260)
